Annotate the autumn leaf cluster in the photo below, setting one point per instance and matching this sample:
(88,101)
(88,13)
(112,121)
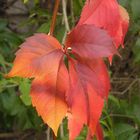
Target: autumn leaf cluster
(76,90)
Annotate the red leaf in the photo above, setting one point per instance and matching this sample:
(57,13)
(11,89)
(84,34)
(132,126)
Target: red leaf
(90,42)
(77,103)
(124,22)
(84,96)
(74,127)
(99,132)
(101,13)
(107,15)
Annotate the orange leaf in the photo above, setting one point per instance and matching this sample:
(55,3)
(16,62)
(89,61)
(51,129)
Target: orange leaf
(38,55)
(41,57)
(48,96)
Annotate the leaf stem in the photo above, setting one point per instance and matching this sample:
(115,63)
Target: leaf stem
(54,17)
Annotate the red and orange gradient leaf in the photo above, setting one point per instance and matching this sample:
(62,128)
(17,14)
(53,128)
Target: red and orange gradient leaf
(38,55)
(41,57)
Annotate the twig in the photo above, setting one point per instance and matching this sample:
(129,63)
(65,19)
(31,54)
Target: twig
(120,79)
(61,130)
(119,115)
(10,135)
(54,17)
(26,135)
(128,87)
(21,9)
(64,37)
(48,133)
(11,3)
(65,15)
(72,13)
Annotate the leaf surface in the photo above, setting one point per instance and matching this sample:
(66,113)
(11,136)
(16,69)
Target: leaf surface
(108,15)
(86,92)
(124,22)
(90,42)
(101,13)
(98,133)
(41,57)
(74,127)
(48,96)
(38,55)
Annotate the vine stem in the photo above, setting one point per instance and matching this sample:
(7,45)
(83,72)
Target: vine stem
(54,17)
(64,5)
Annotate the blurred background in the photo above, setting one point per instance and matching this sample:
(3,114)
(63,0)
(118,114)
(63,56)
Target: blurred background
(18,119)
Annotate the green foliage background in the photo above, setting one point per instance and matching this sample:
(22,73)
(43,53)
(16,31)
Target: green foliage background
(121,115)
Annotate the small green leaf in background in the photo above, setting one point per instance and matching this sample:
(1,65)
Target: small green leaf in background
(24,88)
(44,28)
(133,137)
(136,111)
(136,51)
(3,24)
(124,131)
(114,100)
(77,5)
(25,1)
(135,5)
(123,2)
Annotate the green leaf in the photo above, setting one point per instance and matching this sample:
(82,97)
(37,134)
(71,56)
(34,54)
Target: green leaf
(24,88)
(133,137)
(77,6)
(121,128)
(136,111)
(136,51)
(123,2)
(114,100)
(135,5)
(11,103)
(1,59)
(3,24)
(44,28)
(3,84)
(25,1)
(127,136)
